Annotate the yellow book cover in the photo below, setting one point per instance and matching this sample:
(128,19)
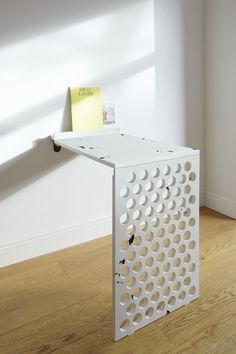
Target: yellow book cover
(86,108)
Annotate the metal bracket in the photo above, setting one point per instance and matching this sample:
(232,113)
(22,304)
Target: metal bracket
(56,148)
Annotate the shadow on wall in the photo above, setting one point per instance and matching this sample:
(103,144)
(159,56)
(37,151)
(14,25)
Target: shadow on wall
(28,167)
(24,19)
(16,26)
(11,123)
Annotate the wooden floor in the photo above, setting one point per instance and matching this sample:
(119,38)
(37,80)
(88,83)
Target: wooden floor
(61,302)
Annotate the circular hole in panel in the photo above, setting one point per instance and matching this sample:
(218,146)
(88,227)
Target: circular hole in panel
(166,170)
(166,194)
(192,199)
(176,192)
(177,168)
(130,309)
(166,243)
(155,296)
(149,287)
(143,251)
(192,290)
(155,197)
(124,271)
(160,208)
(149,236)
(143,302)
(131,177)
(131,283)
(166,267)
(155,247)
(171,228)
(161,306)
(143,174)
(171,181)
(137,214)
(155,172)
(160,257)
(182,225)
(137,188)
(149,262)
(143,226)
(137,318)
(192,176)
(187,189)
(130,256)
(176,239)
(124,325)
(182,295)
(149,211)
(177,215)
(130,229)
(171,253)
(143,277)
(182,179)
(192,245)
(171,276)
(149,186)
(171,301)
(187,258)
(171,205)
(124,245)
(176,262)
(137,293)
(191,267)
(137,241)
(149,312)
(160,183)
(124,192)
(187,166)
(124,218)
(182,272)
(155,222)
(155,272)
(166,291)
(166,219)
(187,235)
(192,222)
(124,299)
(130,204)
(176,286)
(161,232)
(137,267)
(182,202)
(182,248)
(143,200)
(187,281)
(161,282)
(187,212)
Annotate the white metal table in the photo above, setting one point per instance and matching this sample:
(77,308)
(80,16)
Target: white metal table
(155,223)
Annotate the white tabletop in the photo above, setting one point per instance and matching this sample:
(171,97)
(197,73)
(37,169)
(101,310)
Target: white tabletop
(120,150)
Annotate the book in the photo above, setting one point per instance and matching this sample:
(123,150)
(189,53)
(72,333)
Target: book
(86,108)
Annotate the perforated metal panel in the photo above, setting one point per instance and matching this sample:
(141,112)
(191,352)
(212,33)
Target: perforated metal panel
(155,223)
(155,241)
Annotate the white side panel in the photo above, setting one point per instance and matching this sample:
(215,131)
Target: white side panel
(156,241)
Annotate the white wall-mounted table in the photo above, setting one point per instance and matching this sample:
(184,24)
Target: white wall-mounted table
(155,223)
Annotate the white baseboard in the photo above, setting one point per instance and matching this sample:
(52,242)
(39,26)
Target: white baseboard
(40,245)
(34,247)
(220,204)
(202,199)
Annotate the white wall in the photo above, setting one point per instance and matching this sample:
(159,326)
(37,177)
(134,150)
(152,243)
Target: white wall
(138,51)
(220,128)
